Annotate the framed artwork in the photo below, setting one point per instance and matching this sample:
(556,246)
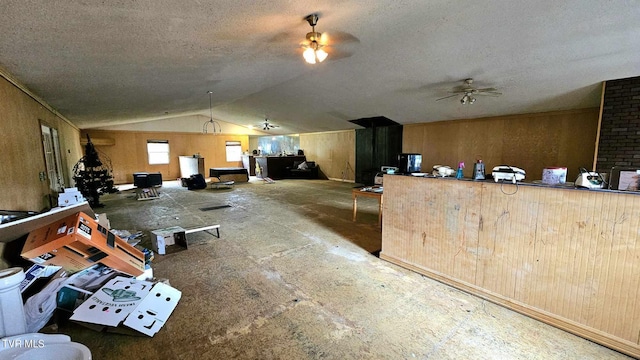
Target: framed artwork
(626,179)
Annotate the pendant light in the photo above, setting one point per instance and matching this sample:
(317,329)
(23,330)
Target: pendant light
(211,121)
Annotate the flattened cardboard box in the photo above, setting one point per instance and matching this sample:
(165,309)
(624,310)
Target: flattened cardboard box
(77,242)
(138,305)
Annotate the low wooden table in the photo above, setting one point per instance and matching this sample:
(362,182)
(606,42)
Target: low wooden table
(373,194)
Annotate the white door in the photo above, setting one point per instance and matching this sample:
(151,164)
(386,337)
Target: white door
(52,158)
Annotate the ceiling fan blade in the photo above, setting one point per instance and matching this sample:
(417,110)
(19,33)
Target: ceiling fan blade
(489,93)
(284,37)
(335,54)
(487,89)
(446,97)
(324,39)
(339,37)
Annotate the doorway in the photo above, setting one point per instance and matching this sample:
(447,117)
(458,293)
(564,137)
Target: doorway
(52,157)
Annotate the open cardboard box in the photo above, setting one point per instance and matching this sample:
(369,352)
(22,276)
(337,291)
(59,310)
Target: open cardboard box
(16,229)
(161,238)
(77,242)
(130,306)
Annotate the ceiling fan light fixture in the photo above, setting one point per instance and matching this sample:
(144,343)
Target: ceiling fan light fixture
(467,99)
(266,125)
(314,54)
(469,92)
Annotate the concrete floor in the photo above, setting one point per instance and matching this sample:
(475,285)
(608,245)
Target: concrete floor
(292,277)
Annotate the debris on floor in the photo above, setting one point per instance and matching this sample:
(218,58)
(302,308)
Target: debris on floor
(126,302)
(88,273)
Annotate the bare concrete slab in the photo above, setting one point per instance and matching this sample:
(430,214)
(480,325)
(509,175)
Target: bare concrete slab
(293,277)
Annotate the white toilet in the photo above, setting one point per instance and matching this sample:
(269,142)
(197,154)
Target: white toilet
(14,343)
(42,347)
(12,318)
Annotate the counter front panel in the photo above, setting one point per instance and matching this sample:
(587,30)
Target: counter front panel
(567,257)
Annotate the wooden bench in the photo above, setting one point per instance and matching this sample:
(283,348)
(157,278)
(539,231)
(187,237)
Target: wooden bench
(230,173)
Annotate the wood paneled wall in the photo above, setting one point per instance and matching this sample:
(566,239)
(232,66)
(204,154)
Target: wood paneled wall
(22,155)
(567,257)
(334,151)
(531,141)
(129,152)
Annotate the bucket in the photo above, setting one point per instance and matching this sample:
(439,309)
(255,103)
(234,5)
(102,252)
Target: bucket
(12,318)
(554,175)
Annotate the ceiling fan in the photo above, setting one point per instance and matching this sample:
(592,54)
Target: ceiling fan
(318,46)
(266,125)
(469,92)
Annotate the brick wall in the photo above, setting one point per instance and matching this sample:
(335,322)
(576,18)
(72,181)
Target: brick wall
(620,129)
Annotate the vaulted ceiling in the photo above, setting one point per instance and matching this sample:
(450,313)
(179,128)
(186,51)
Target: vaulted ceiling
(102,63)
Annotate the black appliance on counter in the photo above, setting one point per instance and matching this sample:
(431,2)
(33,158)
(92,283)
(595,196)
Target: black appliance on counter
(409,163)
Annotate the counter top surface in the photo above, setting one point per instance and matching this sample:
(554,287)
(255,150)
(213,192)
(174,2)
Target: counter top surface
(537,183)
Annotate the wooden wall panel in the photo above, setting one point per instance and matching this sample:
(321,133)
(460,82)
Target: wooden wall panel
(529,141)
(129,154)
(22,156)
(333,151)
(564,256)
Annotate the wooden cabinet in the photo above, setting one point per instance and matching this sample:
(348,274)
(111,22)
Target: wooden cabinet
(376,147)
(276,167)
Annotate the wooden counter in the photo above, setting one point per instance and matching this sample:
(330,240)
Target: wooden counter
(567,257)
(276,167)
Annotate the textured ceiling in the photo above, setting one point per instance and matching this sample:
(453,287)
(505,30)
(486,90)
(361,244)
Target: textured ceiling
(120,61)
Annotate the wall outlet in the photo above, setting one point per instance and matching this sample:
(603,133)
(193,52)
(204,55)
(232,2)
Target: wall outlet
(43,176)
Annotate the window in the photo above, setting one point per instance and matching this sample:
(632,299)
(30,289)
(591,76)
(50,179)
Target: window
(234,151)
(158,151)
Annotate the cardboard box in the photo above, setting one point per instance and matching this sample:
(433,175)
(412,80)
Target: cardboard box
(104,220)
(162,238)
(36,272)
(81,285)
(70,196)
(125,304)
(77,242)
(18,228)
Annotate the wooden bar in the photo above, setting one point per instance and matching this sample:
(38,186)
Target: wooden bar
(567,257)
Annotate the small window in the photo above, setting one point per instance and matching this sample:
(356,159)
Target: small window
(158,151)
(234,151)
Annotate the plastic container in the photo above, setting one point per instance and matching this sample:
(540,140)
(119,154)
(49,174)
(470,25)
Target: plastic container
(554,175)
(478,170)
(459,173)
